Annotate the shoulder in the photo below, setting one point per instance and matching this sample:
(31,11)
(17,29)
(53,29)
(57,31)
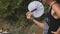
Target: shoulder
(57,4)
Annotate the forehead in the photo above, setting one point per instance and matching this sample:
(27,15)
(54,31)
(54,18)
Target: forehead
(44,0)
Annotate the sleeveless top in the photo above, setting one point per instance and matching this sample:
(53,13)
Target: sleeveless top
(53,23)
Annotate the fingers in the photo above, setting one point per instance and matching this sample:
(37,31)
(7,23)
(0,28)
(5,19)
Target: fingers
(54,32)
(28,15)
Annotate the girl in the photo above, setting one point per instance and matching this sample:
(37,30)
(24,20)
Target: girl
(51,23)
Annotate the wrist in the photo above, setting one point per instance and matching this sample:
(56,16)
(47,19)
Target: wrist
(32,19)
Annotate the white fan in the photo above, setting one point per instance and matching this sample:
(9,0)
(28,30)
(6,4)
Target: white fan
(36,8)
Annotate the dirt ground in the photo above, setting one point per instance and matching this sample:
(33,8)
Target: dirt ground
(34,29)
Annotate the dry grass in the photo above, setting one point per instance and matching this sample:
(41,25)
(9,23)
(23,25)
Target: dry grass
(34,29)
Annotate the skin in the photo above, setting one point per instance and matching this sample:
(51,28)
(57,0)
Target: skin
(57,32)
(55,12)
(29,14)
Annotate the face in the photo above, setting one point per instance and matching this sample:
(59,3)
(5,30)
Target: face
(47,1)
(44,1)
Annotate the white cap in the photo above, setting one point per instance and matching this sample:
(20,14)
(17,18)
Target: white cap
(39,8)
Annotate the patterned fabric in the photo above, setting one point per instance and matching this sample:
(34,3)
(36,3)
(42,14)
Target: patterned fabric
(46,27)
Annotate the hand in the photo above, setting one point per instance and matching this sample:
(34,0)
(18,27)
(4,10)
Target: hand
(29,15)
(54,32)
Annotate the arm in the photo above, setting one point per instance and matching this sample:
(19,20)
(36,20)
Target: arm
(56,8)
(58,30)
(28,15)
(40,24)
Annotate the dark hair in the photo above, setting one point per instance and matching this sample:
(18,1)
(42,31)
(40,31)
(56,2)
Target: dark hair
(58,1)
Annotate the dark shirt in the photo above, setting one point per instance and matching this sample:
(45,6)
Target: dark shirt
(53,23)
